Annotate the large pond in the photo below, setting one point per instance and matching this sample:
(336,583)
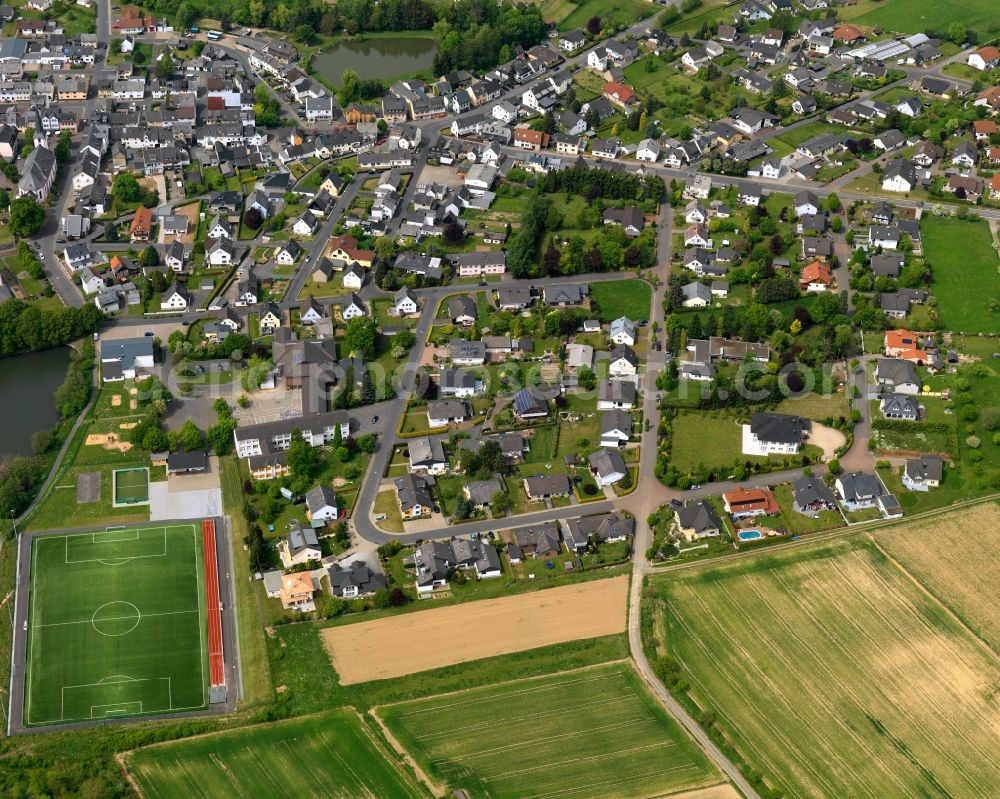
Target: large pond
(382,58)
(27,385)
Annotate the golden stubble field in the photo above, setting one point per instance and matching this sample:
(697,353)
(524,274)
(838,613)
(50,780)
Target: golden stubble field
(430,639)
(957,558)
(838,673)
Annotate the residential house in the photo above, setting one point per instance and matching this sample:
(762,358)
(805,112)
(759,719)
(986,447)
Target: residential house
(774,434)
(623,362)
(426,455)
(616,428)
(816,277)
(900,406)
(624,331)
(605,528)
(630,219)
(441,413)
(615,394)
(697,520)
(607,466)
(811,495)
(742,503)
(176,298)
(357,581)
(528,403)
(923,473)
(894,374)
(405,303)
(414,496)
(546,486)
(858,490)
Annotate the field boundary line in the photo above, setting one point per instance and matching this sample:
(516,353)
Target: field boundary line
(409,759)
(983,644)
(590,667)
(131,780)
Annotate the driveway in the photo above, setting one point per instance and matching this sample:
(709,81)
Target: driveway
(827,438)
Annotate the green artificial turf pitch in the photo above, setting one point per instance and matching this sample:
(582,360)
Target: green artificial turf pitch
(116,625)
(131,486)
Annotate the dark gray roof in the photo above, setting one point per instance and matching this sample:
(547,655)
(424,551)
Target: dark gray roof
(698,516)
(357,575)
(859,486)
(808,490)
(607,461)
(926,467)
(778,427)
(413,490)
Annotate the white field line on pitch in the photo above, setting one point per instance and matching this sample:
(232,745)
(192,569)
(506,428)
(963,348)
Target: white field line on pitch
(616,781)
(118,618)
(574,734)
(437,708)
(509,720)
(578,761)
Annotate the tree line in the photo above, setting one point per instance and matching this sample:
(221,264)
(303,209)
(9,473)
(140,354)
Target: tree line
(28,328)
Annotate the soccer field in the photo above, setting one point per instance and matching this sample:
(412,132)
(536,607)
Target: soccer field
(326,755)
(588,734)
(116,625)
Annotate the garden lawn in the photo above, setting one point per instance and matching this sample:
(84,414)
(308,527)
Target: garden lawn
(623,13)
(617,298)
(966,280)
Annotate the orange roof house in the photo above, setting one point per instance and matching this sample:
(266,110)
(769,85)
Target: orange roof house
(984,58)
(848,34)
(142,224)
(751,502)
(984,128)
(621,94)
(526,138)
(897,341)
(297,591)
(345,248)
(818,276)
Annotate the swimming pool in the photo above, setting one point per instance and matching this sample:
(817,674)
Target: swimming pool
(749,535)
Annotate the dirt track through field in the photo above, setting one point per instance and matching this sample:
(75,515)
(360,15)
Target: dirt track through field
(412,642)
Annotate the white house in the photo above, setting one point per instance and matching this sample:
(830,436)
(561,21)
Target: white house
(623,331)
(321,503)
(175,299)
(624,362)
(221,253)
(405,303)
(773,434)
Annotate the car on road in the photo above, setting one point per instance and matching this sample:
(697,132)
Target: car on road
(375,420)
(148,333)
(676,503)
(695,487)
(60,241)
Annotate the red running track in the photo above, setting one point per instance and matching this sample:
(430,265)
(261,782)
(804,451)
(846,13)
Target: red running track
(216,664)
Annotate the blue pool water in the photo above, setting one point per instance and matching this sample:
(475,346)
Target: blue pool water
(749,535)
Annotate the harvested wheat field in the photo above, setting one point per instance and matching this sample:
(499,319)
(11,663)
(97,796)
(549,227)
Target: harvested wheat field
(392,647)
(836,673)
(955,556)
